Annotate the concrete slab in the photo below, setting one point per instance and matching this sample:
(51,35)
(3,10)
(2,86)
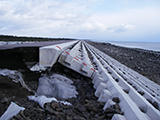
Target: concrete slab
(48,55)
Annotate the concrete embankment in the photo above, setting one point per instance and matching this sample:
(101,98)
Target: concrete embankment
(117,88)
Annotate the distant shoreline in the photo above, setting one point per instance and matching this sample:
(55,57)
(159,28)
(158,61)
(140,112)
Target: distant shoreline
(154,46)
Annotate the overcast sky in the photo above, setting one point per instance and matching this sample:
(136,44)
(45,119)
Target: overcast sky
(101,20)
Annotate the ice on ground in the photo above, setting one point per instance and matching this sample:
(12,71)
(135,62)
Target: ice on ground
(41,100)
(15,75)
(56,86)
(65,102)
(12,110)
(37,67)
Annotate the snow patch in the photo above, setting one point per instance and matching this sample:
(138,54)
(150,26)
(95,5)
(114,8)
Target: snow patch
(56,86)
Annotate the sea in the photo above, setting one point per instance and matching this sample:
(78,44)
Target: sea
(141,45)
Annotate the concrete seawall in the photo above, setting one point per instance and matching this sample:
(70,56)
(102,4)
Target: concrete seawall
(114,83)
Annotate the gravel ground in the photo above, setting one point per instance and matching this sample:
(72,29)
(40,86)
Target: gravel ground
(85,106)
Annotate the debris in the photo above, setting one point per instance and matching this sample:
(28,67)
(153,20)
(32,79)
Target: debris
(12,110)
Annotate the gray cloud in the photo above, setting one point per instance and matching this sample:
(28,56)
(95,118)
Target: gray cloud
(77,18)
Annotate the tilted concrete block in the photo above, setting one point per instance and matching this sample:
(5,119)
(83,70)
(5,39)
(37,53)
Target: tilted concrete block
(69,59)
(100,88)
(97,75)
(48,55)
(98,81)
(62,57)
(85,68)
(105,95)
(75,65)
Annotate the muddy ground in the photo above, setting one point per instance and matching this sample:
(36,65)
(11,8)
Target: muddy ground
(85,107)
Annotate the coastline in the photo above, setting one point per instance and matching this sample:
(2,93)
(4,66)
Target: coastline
(152,46)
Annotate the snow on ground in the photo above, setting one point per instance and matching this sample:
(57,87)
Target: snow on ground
(15,42)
